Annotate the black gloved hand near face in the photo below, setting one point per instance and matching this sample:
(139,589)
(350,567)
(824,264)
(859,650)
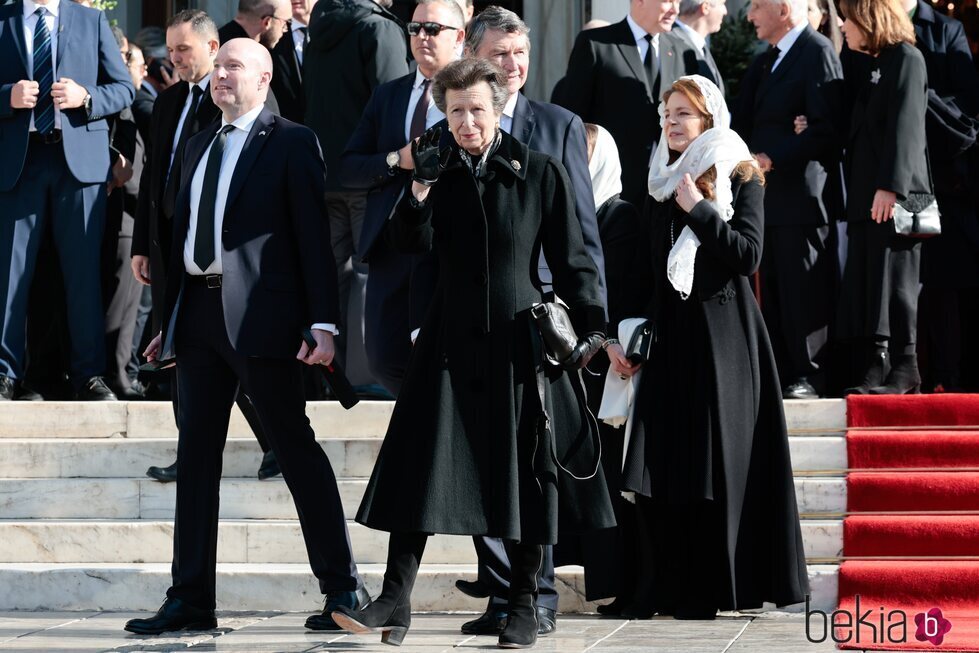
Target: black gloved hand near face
(582,354)
(427,157)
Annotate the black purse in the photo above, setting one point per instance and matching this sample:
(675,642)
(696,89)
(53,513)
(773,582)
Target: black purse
(642,338)
(554,324)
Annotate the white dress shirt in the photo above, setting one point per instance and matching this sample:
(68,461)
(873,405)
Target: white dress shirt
(203,84)
(298,39)
(432,116)
(30,25)
(698,41)
(786,42)
(506,120)
(640,35)
(233,144)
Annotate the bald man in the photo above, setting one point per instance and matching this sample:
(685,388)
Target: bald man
(250,269)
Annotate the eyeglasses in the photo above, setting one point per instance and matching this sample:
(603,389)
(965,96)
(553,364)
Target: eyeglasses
(432,29)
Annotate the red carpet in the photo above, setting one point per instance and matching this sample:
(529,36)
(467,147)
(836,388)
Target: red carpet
(918,572)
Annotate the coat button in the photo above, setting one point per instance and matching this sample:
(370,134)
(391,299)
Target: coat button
(481,279)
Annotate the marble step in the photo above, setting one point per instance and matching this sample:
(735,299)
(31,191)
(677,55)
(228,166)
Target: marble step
(154,419)
(258,541)
(278,587)
(350,457)
(143,498)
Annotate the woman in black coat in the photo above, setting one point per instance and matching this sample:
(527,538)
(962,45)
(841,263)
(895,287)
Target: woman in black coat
(886,161)
(708,458)
(483,427)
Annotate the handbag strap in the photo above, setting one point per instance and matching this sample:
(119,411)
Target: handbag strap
(545,424)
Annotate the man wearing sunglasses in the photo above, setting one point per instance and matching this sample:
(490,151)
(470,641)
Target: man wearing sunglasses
(378,160)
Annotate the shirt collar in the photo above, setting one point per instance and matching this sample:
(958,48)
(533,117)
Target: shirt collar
(787,41)
(245,121)
(639,33)
(296,25)
(53,7)
(203,83)
(511,105)
(694,35)
(419,78)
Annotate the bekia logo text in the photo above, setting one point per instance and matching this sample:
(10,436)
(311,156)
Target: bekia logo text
(874,626)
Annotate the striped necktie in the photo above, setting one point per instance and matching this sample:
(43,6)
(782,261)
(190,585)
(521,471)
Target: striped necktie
(43,75)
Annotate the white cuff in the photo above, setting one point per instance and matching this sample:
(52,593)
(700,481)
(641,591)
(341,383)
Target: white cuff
(323,326)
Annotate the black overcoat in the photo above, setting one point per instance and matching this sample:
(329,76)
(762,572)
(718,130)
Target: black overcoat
(709,423)
(463,453)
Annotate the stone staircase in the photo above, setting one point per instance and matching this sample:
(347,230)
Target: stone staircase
(81,528)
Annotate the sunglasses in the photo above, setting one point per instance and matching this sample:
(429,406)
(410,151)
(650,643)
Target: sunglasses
(432,29)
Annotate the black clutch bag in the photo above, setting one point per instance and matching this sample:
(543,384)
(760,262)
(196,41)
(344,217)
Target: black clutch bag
(638,350)
(337,380)
(556,331)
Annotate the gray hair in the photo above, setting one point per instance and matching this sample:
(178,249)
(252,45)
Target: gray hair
(453,8)
(466,73)
(688,7)
(799,9)
(202,24)
(497,18)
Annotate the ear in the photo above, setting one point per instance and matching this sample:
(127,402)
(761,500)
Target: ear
(460,37)
(213,46)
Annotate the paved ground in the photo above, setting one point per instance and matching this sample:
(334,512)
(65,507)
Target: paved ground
(283,632)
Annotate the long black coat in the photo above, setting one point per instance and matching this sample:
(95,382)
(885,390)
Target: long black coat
(709,419)
(463,452)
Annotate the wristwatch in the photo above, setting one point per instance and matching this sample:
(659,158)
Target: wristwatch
(87,102)
(393,159)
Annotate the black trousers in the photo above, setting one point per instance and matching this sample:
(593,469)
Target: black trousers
(494,572)
(797,281)
(209,373)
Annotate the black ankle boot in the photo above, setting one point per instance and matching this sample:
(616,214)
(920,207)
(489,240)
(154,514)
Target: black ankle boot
(521,627)
(877,370)
(904,377)
(390,613)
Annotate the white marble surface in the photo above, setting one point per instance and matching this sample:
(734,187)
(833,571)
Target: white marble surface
(69,498)
(815,416)
(58,419)
(815,495)
(818,453)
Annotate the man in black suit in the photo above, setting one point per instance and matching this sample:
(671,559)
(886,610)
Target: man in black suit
(616,76)
(249,272)
(287,60)
(179,112)
(799,75)
(698,19)
(378,160)
(264,21)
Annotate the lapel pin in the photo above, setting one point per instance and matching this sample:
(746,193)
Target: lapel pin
(261,133)
(515,164)
(875,76)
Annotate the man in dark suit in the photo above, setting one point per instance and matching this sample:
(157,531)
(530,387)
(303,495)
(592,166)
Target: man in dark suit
(616,76)
(180,111)
(378,160)
(354,47)
(287,59)
(249,272)
(799,75)
(61,75)
(264,21)
(698,19)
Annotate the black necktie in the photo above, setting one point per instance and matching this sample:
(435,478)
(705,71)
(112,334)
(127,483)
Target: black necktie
(204,239)
(650,64)
(305,33)
(43,75)
(418,118)
(186,131)
(773,53)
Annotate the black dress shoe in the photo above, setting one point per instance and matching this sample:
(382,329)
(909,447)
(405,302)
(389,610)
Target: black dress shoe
(163,474)
(613,609)
(269,466)
(334,601)
(173,615)
(546,621)
(473,588)
(491,622)
(95,389)
(7,386)
(801,389)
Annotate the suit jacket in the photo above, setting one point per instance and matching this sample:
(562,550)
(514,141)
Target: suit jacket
(143,111)
(706,66)
(809,82)
(88,54)
(287,79)
(606,85)
(886,145)
(279,272)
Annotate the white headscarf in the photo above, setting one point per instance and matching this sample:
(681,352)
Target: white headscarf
(719,147)
(604,168)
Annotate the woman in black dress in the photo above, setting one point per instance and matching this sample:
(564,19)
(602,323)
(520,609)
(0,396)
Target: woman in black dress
(708,458)
(470,450)
(886,161)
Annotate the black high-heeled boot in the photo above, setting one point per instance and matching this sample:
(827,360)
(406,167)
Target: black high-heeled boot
(876,372)
(521,626)
(390,613)
(904,377)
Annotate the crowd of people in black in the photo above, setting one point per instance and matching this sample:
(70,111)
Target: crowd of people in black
(319,165)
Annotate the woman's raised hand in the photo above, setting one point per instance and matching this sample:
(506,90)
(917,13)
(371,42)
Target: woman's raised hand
(687,193)
(427,157)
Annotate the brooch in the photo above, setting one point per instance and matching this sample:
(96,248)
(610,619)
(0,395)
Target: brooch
(875,77)
(515,164)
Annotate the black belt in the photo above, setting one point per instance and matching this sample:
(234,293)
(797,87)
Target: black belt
(52,137)
(209,280)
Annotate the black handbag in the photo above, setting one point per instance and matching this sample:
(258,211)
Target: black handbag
(917,216)
(556,331)
(642,338)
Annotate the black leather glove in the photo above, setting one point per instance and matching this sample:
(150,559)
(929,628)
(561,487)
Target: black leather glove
(427,157)
(582,354)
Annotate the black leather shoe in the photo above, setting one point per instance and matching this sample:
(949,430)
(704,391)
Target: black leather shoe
(473,588)
(163,474)
(546,621)
(7,386)
(334,601)
(801,389)
(95,389)
(491,622)
(173,615)
(269,466)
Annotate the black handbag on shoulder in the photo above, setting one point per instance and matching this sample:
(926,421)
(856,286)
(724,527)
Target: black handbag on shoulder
(556,330)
